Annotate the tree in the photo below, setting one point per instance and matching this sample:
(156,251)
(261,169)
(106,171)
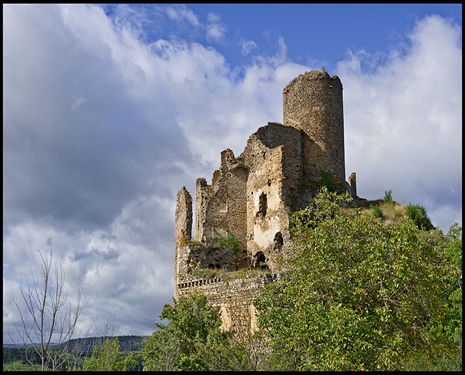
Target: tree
(358,294)
(183,342)
(419,216)
(107,357)
(53,319)
(241,349)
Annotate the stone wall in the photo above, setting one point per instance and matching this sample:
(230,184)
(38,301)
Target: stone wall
(234,297)
(313,102)
(274,159)
(252,196)
(183,229)
(221,207)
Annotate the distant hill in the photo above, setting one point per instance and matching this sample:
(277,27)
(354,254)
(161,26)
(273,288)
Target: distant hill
(127,343)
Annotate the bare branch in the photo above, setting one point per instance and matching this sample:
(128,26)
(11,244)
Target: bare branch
(46,304)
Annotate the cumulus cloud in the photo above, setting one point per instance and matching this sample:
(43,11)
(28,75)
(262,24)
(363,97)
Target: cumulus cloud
(181,13)
(101,129)
(403,119)
(215,28)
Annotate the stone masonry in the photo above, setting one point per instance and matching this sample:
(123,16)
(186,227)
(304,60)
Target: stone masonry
(252,196)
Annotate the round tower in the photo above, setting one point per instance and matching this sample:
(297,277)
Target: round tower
(312,102)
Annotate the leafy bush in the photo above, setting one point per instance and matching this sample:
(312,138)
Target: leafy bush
(419,216)
(108,358)
(328,181)
(387,196)
(358,294)
(377,211)
(184,342)
(229,241)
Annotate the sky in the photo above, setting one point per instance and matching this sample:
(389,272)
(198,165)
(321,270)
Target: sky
(108,110)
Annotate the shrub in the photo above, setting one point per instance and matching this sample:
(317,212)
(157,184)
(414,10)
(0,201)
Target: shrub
(207,273)
(328,181)
(419,216)
(387,196)
(377,211)
(228,241)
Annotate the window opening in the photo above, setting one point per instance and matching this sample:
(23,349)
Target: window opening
(262,203)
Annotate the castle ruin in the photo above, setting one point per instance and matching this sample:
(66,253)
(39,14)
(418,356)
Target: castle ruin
(252,196)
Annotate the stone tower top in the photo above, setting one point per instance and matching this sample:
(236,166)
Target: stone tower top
(312,102)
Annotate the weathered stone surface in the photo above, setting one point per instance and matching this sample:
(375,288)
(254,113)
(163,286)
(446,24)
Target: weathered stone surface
(252,196)
(313,102)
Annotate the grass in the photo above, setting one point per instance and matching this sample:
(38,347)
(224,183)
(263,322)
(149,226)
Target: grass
(389,213)
(244,272)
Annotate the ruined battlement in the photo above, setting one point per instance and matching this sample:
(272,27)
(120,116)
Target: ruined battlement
(252,196)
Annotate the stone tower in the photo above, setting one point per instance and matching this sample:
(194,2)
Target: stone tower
(312,102)
(252,197)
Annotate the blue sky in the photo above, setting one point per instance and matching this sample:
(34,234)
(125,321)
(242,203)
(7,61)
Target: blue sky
(108,110)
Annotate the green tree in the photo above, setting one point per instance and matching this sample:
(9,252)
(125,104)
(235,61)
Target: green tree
(387,196)
(453,325)
(419,216)
(108,358)
(358,294)
(193,330)
(228,241)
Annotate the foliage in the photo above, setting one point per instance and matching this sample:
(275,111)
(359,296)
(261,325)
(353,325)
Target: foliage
(358,294)
(453,327)
(419,216)
(228,241)
(377,211)
(304,185)
(182,344)
(387,196)
(391,213)
(108,358)
(327,180)
(20,366)
(241,273)
(207,273)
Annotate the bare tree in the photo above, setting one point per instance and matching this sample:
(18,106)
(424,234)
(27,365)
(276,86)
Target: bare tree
(54,320)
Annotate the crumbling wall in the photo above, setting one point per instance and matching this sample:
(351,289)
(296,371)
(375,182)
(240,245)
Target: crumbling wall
(221,207)
(193,256)
(353,184)
(183,229)
(234,297)
(274,159)
(252,196)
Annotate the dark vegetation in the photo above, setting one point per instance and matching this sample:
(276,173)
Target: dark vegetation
(79,350)
(365,289)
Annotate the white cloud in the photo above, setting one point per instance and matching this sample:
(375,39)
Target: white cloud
(247,46)
(403,120)
(215,28)
(102,129)
(180,13)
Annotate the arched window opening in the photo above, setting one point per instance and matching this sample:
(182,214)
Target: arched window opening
(278,240)
(260,261)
